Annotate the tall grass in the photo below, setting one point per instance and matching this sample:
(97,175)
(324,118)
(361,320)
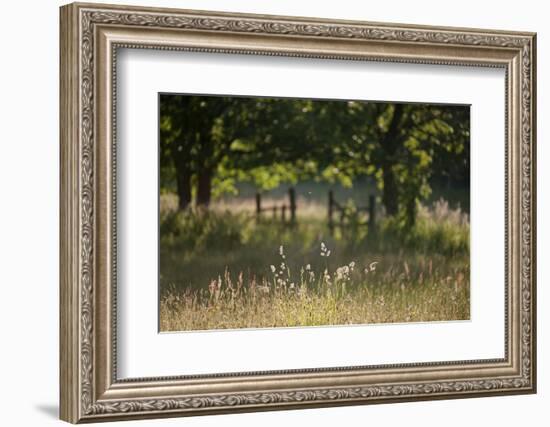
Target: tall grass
(345,295)
(222,269)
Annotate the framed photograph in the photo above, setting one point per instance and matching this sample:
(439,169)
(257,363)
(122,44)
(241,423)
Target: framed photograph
(265,212)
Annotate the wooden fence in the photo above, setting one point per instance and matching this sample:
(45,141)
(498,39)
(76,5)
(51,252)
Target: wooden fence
(335,208)
(278,209)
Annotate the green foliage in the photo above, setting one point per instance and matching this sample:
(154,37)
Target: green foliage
(215,142)
(201,230)
(197,245)
(447,236)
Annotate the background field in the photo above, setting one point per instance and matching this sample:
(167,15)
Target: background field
(216,266)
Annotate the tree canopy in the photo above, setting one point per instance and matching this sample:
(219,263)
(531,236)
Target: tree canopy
(210,143)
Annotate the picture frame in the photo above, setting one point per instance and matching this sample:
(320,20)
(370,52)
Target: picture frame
(91,35)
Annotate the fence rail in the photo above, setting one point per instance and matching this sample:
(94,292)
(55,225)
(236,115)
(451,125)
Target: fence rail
(291,207)
(334,209)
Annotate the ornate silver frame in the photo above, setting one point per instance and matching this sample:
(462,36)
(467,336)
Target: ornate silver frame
(90,36)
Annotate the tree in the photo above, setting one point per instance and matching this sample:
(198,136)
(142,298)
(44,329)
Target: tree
(215,142)
(196,133)
(397,144)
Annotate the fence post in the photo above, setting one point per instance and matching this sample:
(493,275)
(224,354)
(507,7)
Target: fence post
(330,211)
(274,211)
(372,212)
(292,199)
(258,206)
(283,213)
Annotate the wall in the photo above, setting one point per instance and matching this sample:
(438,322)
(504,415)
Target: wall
(29,170)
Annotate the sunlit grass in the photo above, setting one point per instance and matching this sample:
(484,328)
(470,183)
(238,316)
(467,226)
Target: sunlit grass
(223,269)
(400,294)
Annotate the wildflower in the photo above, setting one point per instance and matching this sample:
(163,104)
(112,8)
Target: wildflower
(273,269)
(326,277)
(213,286)
(324,250)
(308,267)
(343,273)
(370,267)
(281,251)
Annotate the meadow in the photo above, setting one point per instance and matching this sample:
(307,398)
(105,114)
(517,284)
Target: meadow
(282,212)
(224,268)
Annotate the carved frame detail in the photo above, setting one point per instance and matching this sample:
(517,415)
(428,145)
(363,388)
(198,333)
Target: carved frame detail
(81,398)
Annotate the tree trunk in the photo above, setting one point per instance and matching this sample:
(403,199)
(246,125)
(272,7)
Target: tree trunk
(410,216)
(204,188)
(390,145)
(390,194)
(183,183)
(181,156)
